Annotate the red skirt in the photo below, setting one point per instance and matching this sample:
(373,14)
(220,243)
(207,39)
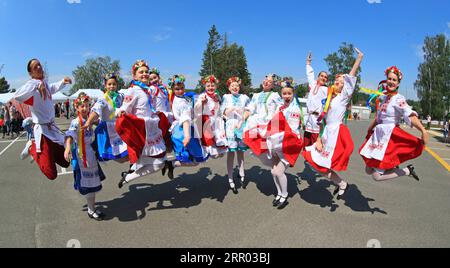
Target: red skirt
(309,139)
(401,147)
(50,154)
(131,130)
(342,152)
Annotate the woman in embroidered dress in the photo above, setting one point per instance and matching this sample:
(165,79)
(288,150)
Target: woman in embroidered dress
(141,127)
(109,144)
(333,149)
(233,108)
(86,170)
(187,148)
(283,139)
(387,145)
(212,127)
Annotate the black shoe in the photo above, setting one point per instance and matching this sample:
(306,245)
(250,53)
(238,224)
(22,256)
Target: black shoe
(243,183)
(276,201)
(282,205)
(122,181)
(412,173)
(97,215)
(336,191)
(170,168)
(233,188)
(164,169)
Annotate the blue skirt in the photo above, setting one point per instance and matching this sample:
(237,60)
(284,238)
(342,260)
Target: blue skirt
(77,174)
(193,152)
(103,144)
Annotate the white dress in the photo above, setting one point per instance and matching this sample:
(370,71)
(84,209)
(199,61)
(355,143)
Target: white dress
(160,100)
(334,119)
(136,102)
(239,104)
(275,142)
(216,126)
(314,102)
(42,110)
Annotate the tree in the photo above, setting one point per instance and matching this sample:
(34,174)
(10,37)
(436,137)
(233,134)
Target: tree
(4,86)
(90,75)
(433,80)
(302,90)
(224,61)
(341,62)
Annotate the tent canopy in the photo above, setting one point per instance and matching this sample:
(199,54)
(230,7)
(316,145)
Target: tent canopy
(92,93)
(6,97)
(59,96)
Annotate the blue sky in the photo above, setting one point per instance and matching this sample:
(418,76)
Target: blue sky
(172,35)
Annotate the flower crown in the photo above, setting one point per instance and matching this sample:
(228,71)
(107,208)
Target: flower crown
(137,65)
(111,75)
(82,98)
(234,79)
(287,82)
(155,70)
(395,70)
(176,79)
(275,78)
(210,79)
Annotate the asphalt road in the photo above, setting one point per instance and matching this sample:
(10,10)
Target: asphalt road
(197,209)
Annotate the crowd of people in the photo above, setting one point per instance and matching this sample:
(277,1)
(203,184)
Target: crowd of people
(161,128)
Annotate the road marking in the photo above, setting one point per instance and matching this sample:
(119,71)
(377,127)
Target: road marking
(439,149)
(64,172)
(438,158)
(7,147)
(10,141)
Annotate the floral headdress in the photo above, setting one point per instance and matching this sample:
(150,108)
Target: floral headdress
(155,70)
(111,75)
(82,98)
(287,82)
(234,79)
(395,70)
(210,79)
(275,78)
(137,65)
(176,79)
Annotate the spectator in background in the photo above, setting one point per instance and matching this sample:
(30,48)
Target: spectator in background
(2,124)
(12,118)
(446,129)
(27,125)
(67,105)
(429,122)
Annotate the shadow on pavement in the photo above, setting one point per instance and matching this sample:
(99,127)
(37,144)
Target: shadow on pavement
(317,193)
(185,191)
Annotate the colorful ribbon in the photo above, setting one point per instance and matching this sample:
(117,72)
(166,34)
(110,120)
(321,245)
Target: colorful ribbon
(111,98)
(81,142)
(147,91)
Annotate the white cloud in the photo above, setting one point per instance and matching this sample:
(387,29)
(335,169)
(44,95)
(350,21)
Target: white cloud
(374,1)
(74,1)
(448,25)
(161,37)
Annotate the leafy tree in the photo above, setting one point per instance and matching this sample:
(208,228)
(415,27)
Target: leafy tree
(90,75)
(224,61)
(4,86)
(433,80)
(341,62)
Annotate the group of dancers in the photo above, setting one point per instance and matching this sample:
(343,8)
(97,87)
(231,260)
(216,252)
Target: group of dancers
(161,128)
